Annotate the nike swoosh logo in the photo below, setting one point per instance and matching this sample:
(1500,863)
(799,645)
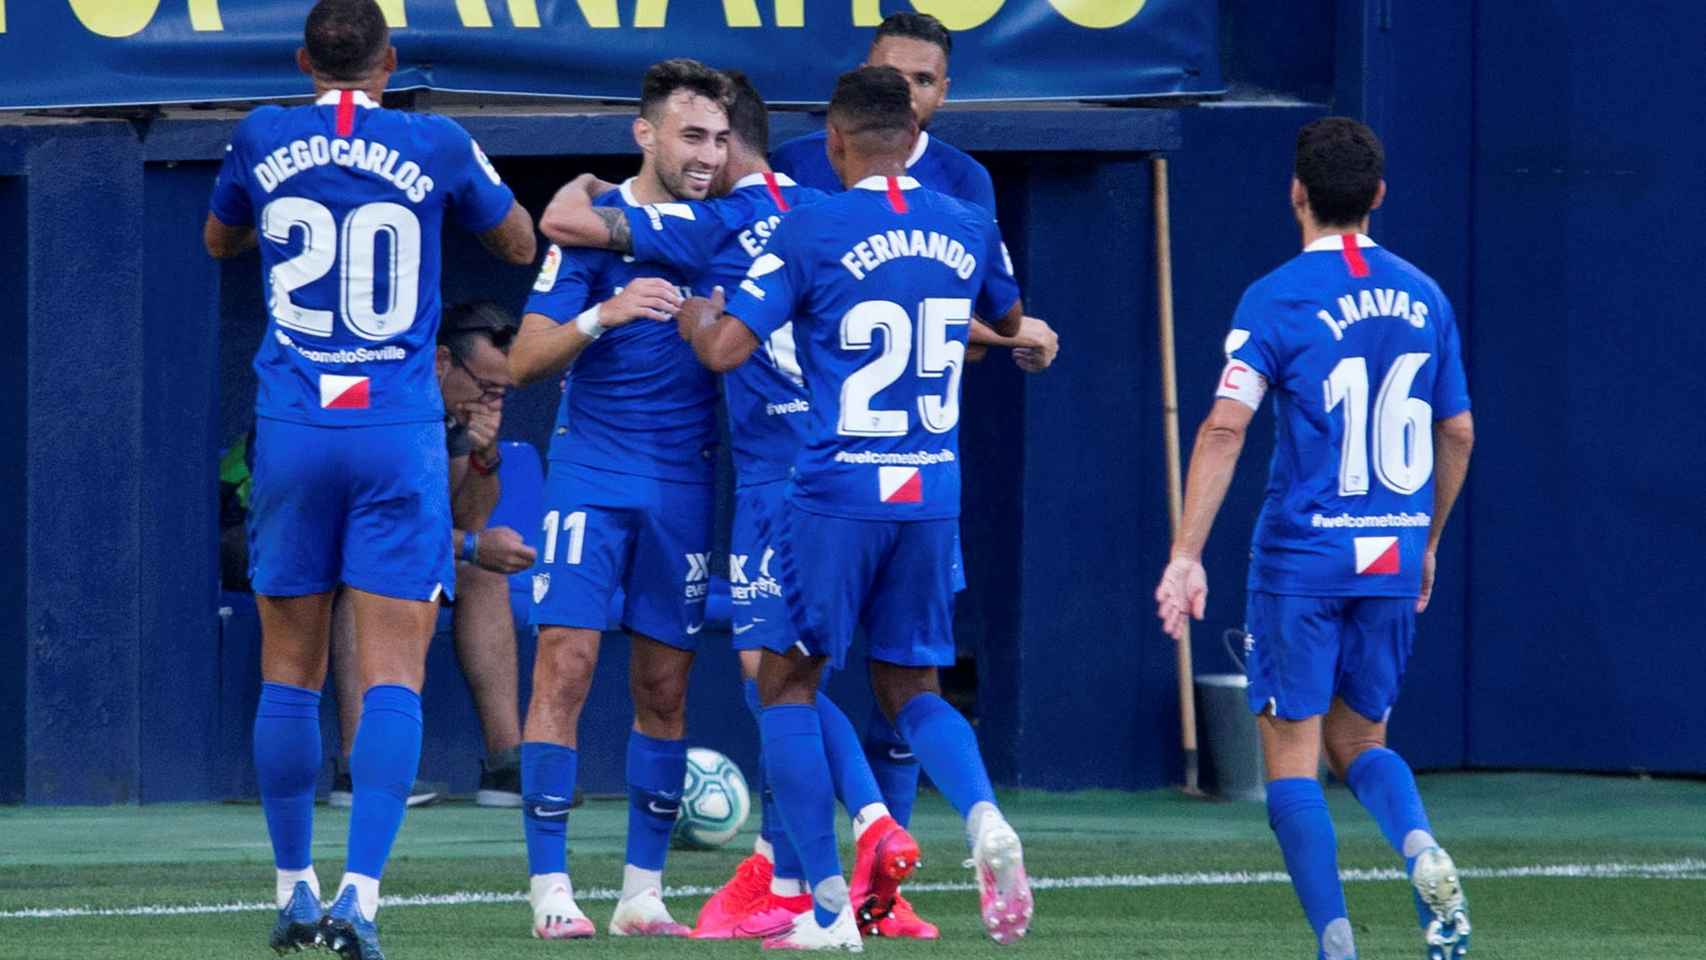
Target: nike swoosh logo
(901,754)
(652,805)
(545,814)
(741,630)
(694,628)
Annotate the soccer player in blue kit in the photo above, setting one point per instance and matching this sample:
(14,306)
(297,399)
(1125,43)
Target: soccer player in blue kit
(919,46)
(351,479)
(1360,352)
(716,242)
(628,501)
(880,284)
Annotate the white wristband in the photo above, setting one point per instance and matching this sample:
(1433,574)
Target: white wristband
(588,324)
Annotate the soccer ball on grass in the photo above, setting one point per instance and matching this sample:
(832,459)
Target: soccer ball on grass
(715,802)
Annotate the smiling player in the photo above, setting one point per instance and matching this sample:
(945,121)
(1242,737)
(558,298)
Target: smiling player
(628,503)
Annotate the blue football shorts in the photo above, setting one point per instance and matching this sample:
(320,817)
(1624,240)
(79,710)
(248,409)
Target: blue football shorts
(368,507)
(648,538)
(893,578)
(1304,651)
(760,618)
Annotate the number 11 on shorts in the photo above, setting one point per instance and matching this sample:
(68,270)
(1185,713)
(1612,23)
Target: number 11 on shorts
(574,525)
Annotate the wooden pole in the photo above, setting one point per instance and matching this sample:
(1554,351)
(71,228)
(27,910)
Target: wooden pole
(1170,429)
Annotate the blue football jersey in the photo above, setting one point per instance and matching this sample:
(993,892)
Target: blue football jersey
(937,165)
(1360,351)
(348,200)
(638,401)
(716,241)
(881,283)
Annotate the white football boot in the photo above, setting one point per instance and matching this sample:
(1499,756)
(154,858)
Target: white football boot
(1003,887)
(556,916)
(644,915)
(1435,878)
(805,934)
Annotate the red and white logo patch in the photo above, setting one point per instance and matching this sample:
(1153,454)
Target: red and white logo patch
(900,484)
(344,393)
(1377,555)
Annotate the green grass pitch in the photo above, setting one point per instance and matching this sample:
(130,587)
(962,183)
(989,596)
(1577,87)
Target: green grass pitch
(1557,867)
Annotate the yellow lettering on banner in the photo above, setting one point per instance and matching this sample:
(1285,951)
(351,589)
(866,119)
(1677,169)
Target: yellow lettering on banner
(650,13)
(204,15)
(736,13)
(601,14)
(395,16)
(2,16)
(960,14)
(1098,14)
(867,13)
(524,14)
(115,18)
(742,13)
(474,13)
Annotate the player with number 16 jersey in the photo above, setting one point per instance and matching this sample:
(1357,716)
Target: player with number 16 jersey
(1362,351)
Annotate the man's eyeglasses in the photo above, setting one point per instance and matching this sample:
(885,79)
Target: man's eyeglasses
(489,390)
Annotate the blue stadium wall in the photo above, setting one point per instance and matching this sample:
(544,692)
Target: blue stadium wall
(1541,164)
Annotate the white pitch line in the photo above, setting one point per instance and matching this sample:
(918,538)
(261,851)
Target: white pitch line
(1689,869)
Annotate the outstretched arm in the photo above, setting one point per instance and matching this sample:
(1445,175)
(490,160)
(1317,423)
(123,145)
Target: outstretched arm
(571,220)
(1183,591)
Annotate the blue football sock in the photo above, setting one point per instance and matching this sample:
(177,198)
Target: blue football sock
(947,748)
(547,788)
(382,768)
(1385,786)
(769,824)
(893,764)
(656,771)
(287,765)
(1297,812)
(855,785)
(799,773)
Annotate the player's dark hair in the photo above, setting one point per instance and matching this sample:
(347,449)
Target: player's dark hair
(875,105)
(1340,163)
(749,117)
(346,39)
(916,26)
(667,76)
(465,324)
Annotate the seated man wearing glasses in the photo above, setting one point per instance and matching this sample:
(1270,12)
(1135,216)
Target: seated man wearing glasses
(473,375)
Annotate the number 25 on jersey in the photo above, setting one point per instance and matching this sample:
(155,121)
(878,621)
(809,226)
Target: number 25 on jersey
(937,355)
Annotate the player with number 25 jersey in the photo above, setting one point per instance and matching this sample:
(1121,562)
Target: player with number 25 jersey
(349,200)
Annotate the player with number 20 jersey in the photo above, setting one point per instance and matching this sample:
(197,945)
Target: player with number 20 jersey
(349,200)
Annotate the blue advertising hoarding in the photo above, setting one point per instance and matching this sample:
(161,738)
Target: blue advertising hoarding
(76,53)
